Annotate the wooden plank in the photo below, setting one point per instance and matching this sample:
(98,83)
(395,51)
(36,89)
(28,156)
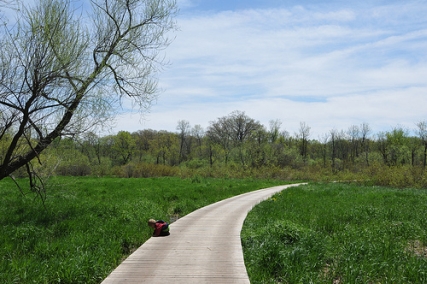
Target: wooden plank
(204,247)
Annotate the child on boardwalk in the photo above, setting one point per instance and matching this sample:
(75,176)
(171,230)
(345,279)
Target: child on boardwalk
(161,228)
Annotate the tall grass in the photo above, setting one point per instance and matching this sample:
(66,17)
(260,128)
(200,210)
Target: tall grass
(89,225)
(338,233)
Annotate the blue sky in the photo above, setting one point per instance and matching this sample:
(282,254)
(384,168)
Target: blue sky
(331,64)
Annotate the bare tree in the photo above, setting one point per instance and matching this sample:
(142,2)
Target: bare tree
(324,139)
(365,130)
(353,134)
(422,132)
(241,126)
(184,132)
(219,132)
(232,131)
(304,134)
(62,74)
(9,3)
(198,133)
(274,131)
(333,139)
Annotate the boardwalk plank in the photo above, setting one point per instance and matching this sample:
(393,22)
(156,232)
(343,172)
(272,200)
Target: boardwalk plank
(204,247)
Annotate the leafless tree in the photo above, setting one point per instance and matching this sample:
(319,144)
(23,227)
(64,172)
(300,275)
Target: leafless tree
(324,139)
(198,133)
(274,130)
(62,73)
(422,133)
(219,132)
(184,129)
(241,126)
(304,134)
(365,130)
(232,130)
(9,3)
(333,139)
(353,134)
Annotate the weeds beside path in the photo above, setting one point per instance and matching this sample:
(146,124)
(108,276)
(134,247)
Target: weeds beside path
(338,233)
(91,224)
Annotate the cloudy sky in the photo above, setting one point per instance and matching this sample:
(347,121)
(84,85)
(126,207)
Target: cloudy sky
(331,64)
(328,63)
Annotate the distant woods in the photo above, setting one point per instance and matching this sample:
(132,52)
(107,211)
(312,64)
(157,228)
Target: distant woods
(239,146)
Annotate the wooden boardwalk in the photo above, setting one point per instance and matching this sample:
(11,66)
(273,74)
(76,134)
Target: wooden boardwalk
(204,247)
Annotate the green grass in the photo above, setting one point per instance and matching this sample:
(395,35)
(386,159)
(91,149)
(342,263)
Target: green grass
(338,233)
(89,225)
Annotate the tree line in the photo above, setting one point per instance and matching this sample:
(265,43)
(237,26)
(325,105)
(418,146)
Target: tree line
(236,145)
(61,79)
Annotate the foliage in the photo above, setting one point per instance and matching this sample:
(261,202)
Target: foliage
(237,146)
(87,226)
(62,74)
(338,233)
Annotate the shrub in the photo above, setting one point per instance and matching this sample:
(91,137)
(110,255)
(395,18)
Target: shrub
(73,164)
(138,170)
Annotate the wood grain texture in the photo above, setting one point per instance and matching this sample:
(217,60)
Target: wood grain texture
(204,246)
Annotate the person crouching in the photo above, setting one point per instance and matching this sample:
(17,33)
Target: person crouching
(161,228)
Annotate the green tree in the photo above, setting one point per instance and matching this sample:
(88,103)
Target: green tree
(165,148)
(258,148)
(73,162)
(124,145)
(143,142)
(398,149)
(90,146)
(61,74)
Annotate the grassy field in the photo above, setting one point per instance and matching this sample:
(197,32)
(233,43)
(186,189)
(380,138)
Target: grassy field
(338,233)
(89,225)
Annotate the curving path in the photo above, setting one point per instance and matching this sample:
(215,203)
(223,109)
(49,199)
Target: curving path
(204,246)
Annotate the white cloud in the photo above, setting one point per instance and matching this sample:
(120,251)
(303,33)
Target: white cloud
(329,68)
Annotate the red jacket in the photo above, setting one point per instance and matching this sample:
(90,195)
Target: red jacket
(161,226)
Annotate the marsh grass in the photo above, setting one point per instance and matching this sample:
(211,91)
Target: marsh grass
(338,233)
(89,225)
